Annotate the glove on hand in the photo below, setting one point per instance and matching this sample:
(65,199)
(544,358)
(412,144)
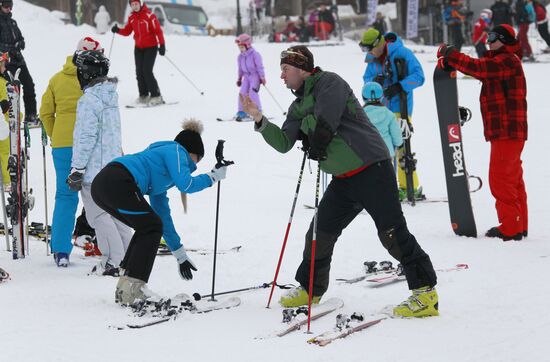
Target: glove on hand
(262,81)
(217,174)
(115,29)
(75,179)
(443,52)
(186,265)
(162,50)
(5,104)
(239,82)
(305,141)
(319,141)
(393,90)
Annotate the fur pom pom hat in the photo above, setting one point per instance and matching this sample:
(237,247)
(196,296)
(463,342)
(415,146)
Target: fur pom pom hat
(190,137)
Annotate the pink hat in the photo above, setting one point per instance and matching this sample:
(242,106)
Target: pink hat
(244,39)
(88,43)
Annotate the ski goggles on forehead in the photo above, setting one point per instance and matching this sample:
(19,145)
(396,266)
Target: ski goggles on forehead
(368,47)
(493,37)
(294,57)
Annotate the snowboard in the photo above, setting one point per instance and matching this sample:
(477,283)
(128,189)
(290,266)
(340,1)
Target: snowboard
(458,189)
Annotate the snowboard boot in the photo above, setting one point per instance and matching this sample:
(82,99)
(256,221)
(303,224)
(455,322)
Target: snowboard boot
(297,297)
(106,270)
(142,100)
(131,290)
(155,101)
(242,117)
(422,303)
(418,194)
(494,232)
(32,121)
(61,259)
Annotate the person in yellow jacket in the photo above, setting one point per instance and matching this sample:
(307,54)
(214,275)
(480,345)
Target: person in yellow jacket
(4,128)
(58,114)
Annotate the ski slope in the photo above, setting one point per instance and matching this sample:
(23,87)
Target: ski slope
(495,311)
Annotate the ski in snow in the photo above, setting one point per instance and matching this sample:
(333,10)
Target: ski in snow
(371,268)
(201,251)
(398,276)
(145,105)
(344,327)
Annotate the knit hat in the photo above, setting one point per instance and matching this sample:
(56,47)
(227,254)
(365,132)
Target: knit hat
(505,33)
(298,56)
(88,43)
(190,137)
(372,38)
(6,3)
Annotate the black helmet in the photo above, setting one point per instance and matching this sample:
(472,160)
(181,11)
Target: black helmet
(90,64)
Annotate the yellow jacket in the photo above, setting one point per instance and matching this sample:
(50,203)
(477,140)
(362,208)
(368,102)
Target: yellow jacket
(58,109)
(4,144)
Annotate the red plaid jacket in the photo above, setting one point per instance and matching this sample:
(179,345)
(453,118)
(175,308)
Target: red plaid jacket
(503,93)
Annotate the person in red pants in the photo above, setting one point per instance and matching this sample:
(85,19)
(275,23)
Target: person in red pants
(504,110)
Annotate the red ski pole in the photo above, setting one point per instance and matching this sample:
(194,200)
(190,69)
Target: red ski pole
(287,229)
(313,245)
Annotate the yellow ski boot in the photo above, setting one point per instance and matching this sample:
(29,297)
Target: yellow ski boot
(297,297)
(422,303)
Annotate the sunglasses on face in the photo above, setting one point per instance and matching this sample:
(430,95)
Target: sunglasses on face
(368,47)
(294,57)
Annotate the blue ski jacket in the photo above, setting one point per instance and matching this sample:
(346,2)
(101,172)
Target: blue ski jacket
(387,124)
(386,70)
(158,168)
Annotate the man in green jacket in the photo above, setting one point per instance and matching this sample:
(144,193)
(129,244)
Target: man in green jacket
(336,132)
(58,114)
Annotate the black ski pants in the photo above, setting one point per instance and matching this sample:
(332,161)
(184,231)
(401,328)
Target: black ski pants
(456,35)
(481,49)
(543,31)
(29,95)
(115,191)
(375,190)
(145,61)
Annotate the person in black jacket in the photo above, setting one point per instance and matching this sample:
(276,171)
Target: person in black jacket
(502,13)
(12,42)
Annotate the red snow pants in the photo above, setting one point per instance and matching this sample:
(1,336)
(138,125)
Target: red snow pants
(507,186)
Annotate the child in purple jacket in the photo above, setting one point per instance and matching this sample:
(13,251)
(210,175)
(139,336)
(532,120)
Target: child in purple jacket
(251,74)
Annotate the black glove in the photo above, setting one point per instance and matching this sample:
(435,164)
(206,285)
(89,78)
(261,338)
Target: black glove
(20,45)
(319,141)
(5,104)
(115,29)
(393,90)
(305,141)
(75,179)
(185,269)
(162,50)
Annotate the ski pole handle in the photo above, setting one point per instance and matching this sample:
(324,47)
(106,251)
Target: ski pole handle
(220,161)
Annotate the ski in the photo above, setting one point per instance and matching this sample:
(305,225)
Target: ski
(343,329)
(458,188)
(237,119)
(164,250)
(35,230)
(399,276)
(145,105)
(371,268)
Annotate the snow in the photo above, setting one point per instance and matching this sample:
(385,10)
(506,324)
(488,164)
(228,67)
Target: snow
(495,311)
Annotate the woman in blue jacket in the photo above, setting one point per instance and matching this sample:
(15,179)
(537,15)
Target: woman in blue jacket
(120,187)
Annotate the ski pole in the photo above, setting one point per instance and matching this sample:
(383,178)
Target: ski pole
(111,47)
(275,100)
(183,74)
(274,283)
(198,296)
(44,144)
(220,163)
(6,227)
(313,245)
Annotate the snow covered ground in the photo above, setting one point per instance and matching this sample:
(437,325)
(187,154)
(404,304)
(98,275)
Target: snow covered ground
(495,311)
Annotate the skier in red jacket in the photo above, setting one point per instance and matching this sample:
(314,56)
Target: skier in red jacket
(504,109)
(149,39)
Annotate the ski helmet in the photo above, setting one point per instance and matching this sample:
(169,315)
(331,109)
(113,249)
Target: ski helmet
(244,39)
(90,64)
(372,92)
(486,14)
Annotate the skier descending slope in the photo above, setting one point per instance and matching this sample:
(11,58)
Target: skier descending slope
(119,189)
(327,117)
(504,109)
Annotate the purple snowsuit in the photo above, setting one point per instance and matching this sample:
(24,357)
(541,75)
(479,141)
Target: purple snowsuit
(251,71)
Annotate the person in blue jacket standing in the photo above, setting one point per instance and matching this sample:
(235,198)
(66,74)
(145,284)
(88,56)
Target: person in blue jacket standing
(120,187)
(382,53)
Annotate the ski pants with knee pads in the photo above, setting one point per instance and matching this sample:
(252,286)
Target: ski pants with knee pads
(374,190)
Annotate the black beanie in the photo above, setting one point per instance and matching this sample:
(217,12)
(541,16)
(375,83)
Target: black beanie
(507,34)
(190,138)
(303,50)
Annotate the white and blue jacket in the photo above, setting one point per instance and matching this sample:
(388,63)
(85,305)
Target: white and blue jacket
(387,125)
(158,168)
(96,136)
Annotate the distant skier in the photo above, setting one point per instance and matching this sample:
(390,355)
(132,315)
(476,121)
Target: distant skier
(13,42)
(481,28)
(382,53)
(504,110)
(120,187)
(454,17)
(149,40)
(381,117)
(251,74)
(102,20)
(542,23)
(58,114)
(97,141)
(329,119)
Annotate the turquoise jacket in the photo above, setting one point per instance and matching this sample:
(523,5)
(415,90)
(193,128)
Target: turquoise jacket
(387,124)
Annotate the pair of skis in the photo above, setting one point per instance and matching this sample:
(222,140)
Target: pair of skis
(164,250)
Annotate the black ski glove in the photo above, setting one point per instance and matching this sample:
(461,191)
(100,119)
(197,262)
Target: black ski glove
(75,179)
(185,264)
(162,50)
(20,45)
(393,90)
(319,141)
(305,141)
(115,29)
(5,104)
